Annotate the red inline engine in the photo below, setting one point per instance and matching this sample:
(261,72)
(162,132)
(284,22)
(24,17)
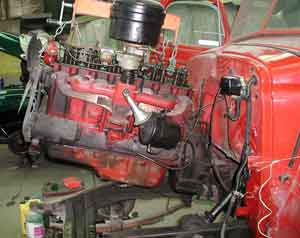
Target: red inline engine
(111,110)
(91,114)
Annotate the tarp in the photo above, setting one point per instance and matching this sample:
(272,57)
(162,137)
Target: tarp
(18,8)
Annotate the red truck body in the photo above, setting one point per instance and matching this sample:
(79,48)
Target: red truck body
(271,54)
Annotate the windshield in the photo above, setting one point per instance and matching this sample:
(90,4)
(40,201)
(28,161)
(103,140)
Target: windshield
(200,24)
(267,16)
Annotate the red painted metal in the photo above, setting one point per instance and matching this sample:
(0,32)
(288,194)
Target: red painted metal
(116,93)
(72,183)
(51,53)
(114,126)
(272,200)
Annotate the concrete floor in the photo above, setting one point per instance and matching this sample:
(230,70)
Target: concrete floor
(27,182)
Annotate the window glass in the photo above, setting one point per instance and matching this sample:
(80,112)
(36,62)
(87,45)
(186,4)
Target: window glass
(253,16)
(199,23)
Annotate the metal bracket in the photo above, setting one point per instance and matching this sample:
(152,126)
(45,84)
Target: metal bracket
(60,22)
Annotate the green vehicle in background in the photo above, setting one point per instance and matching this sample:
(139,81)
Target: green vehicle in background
(11,95)
(10,44)
(10,116)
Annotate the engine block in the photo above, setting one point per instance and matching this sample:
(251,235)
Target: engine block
(86,119)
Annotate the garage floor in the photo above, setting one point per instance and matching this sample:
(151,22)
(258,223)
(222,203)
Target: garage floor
(17,183)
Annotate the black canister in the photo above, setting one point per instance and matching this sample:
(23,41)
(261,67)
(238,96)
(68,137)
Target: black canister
(137,21)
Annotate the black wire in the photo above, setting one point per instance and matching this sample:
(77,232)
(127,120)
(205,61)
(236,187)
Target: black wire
(227,215)
(234,194)
(200,110)
(214,167)
(198,114)
(244,158)
(218,176)
(162,164)
(225,153)
(246,147)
